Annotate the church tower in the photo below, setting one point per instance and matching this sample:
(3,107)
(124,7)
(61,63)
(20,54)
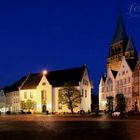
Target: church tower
(120,46)
(130,52)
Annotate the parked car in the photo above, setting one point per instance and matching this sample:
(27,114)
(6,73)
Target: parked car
(116,114)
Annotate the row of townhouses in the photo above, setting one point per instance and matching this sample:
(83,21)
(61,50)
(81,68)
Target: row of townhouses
(123,71)
(44,90)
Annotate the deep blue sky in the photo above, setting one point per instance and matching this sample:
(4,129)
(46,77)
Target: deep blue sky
(58,34)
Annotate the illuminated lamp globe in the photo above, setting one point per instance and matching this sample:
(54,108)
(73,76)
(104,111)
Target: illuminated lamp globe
(44,72)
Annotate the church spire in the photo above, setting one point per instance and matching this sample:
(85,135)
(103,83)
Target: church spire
(120,32)
(130,45)
(131,52)
(118,45)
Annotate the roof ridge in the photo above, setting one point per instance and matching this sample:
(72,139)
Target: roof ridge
(67,69)
(25,80)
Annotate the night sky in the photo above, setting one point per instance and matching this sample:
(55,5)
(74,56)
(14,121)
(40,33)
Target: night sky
(59,34)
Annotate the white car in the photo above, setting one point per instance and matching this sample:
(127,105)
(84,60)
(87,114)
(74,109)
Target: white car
(116,114)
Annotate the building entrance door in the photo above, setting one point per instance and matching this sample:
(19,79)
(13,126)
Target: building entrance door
(43,108)
(136,108)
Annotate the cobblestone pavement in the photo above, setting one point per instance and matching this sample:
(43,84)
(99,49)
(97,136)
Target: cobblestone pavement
(42,127)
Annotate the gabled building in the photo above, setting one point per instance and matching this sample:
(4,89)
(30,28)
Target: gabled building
(136,86)
(118,82)
(107,88)
(121,61)
(120,46)
(124,82)
(44,90)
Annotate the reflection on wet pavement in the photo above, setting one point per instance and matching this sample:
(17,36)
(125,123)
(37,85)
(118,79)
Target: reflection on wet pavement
(41,127)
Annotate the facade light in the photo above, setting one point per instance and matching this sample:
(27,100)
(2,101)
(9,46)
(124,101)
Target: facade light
(44,72)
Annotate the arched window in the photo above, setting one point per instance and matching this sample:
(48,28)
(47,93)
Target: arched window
(43,96)
(43,84)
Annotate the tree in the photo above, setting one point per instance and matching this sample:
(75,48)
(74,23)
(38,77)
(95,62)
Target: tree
(23,105)
(70,96)
(109,104)
(121,103)
(29,104)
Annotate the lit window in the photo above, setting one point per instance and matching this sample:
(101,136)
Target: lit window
(123,73)
(17,108)
(14,100)
(43,96)
(85,93)
(60,99)
(103,89)
(59,105)
(25,95)
(85,82)
(31,95)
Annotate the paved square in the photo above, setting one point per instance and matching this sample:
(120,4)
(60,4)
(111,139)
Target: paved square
(42,127)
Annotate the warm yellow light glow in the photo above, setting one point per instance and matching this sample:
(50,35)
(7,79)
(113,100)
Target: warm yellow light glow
(104,103)
(49,106)
(44,72)
(39,106)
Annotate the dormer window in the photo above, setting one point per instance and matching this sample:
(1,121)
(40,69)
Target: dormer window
(25,95)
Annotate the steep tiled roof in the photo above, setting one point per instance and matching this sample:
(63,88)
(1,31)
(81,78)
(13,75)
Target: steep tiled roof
(15,86)
(114,73)
(55,78)
(58,78)
(131,63)
(32,81)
